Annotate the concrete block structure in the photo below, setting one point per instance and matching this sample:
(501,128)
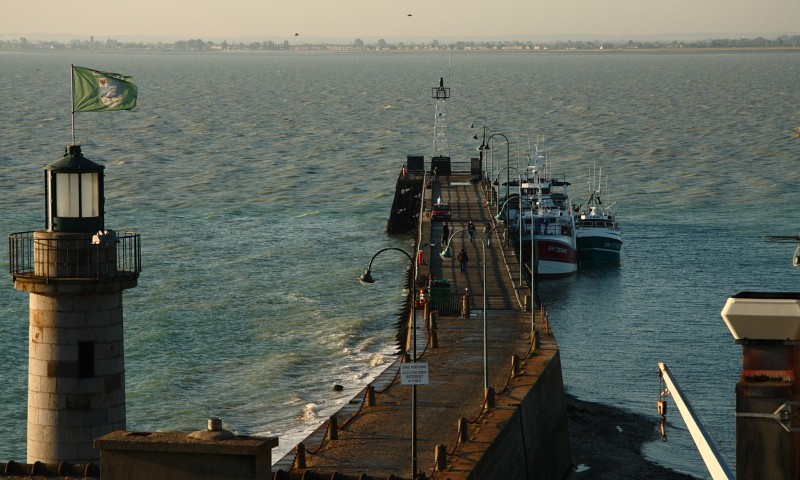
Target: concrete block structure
(212,453)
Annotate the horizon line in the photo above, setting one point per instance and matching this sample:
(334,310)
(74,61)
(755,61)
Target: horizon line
(415,38)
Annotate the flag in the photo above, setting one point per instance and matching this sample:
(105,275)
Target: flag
(94,91)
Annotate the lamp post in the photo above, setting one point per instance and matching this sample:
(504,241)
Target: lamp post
(519,177)
(482,148)
(366,278)
(447,254)
(508,153)
(533,273)
(519,217)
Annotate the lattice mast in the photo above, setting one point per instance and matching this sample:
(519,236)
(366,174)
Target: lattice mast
(441,148)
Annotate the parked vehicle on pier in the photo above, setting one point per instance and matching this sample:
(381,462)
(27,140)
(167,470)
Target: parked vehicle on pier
(440,212)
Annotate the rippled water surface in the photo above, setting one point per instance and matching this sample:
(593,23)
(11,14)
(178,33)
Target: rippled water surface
(261,185)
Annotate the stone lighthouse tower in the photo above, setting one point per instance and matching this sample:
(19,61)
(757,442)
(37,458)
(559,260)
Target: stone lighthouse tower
(75,271)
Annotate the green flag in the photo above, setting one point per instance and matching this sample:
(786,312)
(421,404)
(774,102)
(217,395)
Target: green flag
(94,91)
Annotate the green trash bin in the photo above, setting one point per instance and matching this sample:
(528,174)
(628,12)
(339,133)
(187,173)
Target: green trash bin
(439,291)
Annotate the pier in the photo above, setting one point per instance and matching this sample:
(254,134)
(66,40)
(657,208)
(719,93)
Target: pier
(515,428)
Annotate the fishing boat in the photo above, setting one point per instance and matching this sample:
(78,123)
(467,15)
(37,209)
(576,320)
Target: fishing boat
(546,220)
(599,239)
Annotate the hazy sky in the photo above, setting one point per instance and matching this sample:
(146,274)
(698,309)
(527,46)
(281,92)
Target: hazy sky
(350,19)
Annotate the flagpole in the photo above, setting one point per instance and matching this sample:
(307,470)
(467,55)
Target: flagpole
(72,98)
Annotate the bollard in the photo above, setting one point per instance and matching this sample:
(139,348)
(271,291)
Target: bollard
(465,305)
(489,398)
(333,429)
(370,401)
(526,301)
(425,312)
(463,430)
(434,316)
(299,456)
(406,357)
(534,342)
(280,475)
(514,365)
(440,457)
(434,339)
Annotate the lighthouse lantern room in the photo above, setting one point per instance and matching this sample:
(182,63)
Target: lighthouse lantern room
(74,188)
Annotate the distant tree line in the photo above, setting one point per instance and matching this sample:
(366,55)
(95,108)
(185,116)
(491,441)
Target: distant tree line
(194,45)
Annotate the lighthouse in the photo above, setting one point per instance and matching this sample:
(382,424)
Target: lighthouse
(74,272)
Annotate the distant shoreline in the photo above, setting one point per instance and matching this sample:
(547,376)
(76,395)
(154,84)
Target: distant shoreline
(318,49)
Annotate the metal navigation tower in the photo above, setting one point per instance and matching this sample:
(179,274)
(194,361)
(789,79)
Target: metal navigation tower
(440,146)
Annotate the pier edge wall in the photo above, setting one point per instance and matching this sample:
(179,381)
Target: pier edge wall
(544,433)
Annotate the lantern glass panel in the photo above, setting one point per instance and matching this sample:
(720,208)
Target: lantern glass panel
(89,193)
(67,200)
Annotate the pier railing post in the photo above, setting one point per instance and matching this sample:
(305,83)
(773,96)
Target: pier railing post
(333,428)
(440,457)
(489,398)
(463,430)
(370,400)
(299,456)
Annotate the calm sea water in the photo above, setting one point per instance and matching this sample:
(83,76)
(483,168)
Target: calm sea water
(261,185)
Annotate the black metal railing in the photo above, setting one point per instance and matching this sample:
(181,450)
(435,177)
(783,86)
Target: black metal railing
(116,254)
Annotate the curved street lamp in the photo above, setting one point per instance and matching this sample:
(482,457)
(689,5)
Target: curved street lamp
(508,153)
(498,212)
(366,278)
(534,288)
(519,187)
(485,146)
(446,254)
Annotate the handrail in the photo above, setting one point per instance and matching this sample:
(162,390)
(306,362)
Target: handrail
(709,451)
(84,259)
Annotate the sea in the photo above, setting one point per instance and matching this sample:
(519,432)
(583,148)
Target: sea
(261,184)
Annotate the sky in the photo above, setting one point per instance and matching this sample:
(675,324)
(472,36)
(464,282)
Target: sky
(393,20)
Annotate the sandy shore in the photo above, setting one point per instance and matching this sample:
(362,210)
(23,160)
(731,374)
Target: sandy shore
(607,443)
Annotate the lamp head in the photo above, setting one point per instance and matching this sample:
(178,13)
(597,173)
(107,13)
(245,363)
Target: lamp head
(500,217)
(366,278)
(446,253)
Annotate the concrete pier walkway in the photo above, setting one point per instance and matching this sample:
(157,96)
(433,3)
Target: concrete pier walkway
(376,440)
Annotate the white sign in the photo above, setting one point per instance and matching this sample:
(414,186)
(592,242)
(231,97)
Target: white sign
(414,373)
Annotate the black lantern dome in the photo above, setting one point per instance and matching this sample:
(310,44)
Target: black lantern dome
(74,187)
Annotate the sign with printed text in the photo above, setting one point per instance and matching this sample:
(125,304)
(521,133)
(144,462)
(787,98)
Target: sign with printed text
(414,373)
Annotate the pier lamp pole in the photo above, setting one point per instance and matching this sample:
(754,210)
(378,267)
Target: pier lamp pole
(447,254)
(508,154)
(366,278)
(497,178)
(482,148)
(519,217)
(533,276)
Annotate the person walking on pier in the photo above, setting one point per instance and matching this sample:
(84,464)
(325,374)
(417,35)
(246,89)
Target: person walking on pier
(486,231)
(462,260)
(445,234)
(471,231)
